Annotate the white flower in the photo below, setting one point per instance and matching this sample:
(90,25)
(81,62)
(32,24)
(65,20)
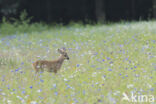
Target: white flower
(116,92)
(33,102)
(39,90)
(94,74)
(3,93)
(11,93)
(103,78)
(150,86)
(4,99)
(9,102)
(65,43)
(130,86)
(65,79)
(23,101)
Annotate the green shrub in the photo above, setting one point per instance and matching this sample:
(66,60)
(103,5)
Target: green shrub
(21,25)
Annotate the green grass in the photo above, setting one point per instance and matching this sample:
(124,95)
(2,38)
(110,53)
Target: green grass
(105,62)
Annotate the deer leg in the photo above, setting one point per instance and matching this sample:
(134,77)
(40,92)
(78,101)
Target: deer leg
(42,70)
(55,71)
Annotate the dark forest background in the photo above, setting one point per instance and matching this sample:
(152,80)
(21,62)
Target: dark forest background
(64,11)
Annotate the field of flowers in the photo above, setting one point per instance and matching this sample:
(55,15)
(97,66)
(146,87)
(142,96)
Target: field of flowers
(106,61)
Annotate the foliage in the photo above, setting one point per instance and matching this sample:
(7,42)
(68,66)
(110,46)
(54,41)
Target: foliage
(21,25)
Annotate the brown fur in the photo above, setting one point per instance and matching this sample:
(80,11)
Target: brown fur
(51,66)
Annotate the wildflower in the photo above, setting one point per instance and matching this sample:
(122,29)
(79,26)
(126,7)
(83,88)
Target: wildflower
(9,102)
(94,74)
(41,80)
(126,68)
(152,89)
(84,92)
(65,79)
(76,101)
(126,59)
(77,65)
(23,92)
(130,86)
(39,90)
(99,100)
(31,87)
(108,58)
(98,68)
(111,62)
(22,63)
(33,102)
(21,72)
(17,69)
(56,93)
(110,70)
(40,97)
(54,85)
(3,94)
(116,93)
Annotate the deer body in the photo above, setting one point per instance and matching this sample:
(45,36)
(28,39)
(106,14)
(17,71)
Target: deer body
(50,66)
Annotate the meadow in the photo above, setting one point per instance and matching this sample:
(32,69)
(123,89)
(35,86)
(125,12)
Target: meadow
(105,62)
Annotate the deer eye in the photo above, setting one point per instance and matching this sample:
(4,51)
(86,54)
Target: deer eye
(65,55)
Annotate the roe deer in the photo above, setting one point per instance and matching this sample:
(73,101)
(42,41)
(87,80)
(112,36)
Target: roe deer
(51,66)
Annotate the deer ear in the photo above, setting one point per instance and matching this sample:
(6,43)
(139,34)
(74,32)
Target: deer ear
(64,48)
(59,50)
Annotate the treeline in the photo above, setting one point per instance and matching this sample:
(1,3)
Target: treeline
(50,11)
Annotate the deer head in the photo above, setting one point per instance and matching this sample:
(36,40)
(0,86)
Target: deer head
(63,53)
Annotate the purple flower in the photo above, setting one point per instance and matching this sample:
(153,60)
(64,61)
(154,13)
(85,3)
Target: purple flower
(99,100)
(23,92)
(17,69)
(152,89)
(111,62)
(76,101)
(104,76)
(56,93)
(77,65)
(110,70)
(22,63)
(31,87)
(108,58)
(54,85)
(41,80)
(84,92)
(126,68)
(126,59)
(40,97)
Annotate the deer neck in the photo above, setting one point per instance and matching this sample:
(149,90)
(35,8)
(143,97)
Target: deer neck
(60,60)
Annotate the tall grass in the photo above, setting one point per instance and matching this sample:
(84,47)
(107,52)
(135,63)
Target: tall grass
(105,62)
